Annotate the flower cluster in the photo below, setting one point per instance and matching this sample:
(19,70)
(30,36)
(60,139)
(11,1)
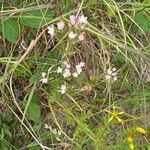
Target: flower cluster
(78,69)
(130,142)
(66,71)
(56,132)
(111,74)
(78,23)
(43,78)
(60,26)
(130,138)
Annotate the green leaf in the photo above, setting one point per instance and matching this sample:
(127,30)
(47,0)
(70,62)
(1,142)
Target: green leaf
(143,21)
(36,18)
(35,77)
(29,100)
(10,28)
(81,79)
(33,111)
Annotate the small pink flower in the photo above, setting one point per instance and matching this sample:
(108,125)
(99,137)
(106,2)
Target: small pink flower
(73,19)
(72,35)
(82,19)
(81,37)
(109,71)
(82,64)
(62,89)
(78,68)
(60,25)
(66,73)
(43,78)
(114,69)
(114,74)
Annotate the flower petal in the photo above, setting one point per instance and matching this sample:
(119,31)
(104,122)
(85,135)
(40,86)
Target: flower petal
(111,118)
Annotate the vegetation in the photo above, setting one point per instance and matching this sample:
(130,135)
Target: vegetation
(75,75)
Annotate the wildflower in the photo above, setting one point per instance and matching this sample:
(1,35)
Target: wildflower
(73,19)
(72,35)
(75,74)
(59,132)
(51,30)
(82,19)
(60,25)
(46,126)
(109,71)
(43,78)
(115,79)
(59,70)
(81,36)
(111,74)
(82,64)
(67,65)
(115,115)
(66,73)
(140,130)
(114,69)
(78,68)
(63,89)
(129,139)
(131,146)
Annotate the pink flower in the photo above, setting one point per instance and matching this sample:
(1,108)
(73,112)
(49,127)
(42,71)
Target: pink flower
(111,74)
(82,19)
(73,19)
(66,73)
(60,25)
(43,78)
(81,36)
(72,35)
(62,89)
(78,68)
(109,71)
(82,64)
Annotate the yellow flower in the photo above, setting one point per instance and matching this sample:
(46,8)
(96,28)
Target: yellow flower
(115,115)
(130,140)
(131,146)
(140,130)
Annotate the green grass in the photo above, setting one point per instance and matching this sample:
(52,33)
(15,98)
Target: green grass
(93,113)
